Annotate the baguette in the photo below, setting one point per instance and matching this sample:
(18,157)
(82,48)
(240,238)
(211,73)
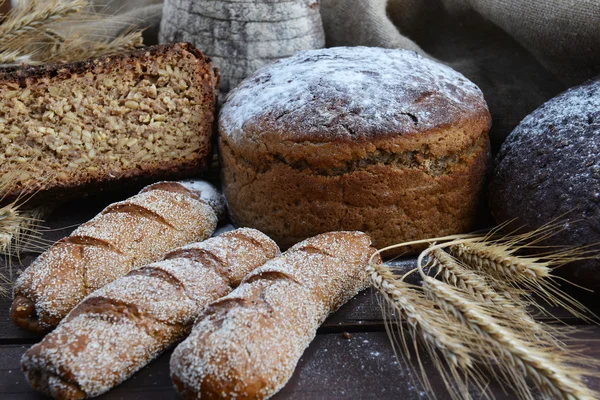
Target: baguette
(74,128)
(123,236)
(123,326)
(247,344)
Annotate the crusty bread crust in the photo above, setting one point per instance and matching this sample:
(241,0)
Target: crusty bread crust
(76,128)
(377,140)
(124,236)
(120,328)
(247,344)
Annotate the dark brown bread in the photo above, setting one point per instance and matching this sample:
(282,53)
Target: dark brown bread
(247,344)
(78,127)
(120,328)
(548,168)
(123,236)
(376,140)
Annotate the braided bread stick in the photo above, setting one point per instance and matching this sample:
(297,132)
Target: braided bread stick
(125,235)
(247,344)
(123,326)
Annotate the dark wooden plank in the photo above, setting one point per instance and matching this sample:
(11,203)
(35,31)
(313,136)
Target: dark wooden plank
(4,7)
(361,314)
(363,366)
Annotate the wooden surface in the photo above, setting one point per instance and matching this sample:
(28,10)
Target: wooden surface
(350,358)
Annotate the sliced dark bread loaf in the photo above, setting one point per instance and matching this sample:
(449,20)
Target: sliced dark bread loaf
(148,113)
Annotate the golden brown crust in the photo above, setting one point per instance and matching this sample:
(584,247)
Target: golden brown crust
(247,344)
(333,140)
(392,203)
(118,329)
(125,235)
(83,145)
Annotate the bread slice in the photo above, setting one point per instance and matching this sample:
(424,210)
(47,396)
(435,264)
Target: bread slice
(144,114)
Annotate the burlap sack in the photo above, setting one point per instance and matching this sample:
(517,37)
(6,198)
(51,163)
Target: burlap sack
(520,52)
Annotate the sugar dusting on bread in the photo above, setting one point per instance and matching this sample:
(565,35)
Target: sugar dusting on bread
(207,193)
(120,328)
(123,236)
(338,89)
(247,344)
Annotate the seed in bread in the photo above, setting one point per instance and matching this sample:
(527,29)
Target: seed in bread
(123,326)
(123,236)
(144,114)
(378,140)
(247,344)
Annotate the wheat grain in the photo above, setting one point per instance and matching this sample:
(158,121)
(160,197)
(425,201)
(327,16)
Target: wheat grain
(436,333)
(459,276)
(520,358)
(36,15)
(82,47)
(10,220)
(411,307)
(62,31)
(498,260)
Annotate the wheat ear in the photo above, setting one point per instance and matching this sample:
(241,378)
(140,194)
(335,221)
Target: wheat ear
(498,261)
(36,15)
(429,327)
(82,47)
(519,358)
(19,228)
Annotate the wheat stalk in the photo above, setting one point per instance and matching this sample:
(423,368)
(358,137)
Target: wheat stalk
(82,47)
(497,259)
(19,228)
(450,355)
(61,31)
(493,299)
(409,305)
(36,15)
(482,307)
(545,366)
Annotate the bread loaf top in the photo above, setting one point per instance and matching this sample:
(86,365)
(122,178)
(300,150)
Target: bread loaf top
(349,96)
(25,75)
(549,168)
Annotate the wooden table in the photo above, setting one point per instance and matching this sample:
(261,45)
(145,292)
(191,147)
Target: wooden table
(351,357)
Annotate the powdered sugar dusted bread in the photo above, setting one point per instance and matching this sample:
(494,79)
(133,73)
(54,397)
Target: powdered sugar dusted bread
(377,140)
(247,344)
(549,168)
(120,328)
(123,236)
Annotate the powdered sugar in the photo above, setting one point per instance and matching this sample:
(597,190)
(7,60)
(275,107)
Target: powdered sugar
(123,236)
(350,91)
(248,343)
(118,329)
(207,193)
(549,169)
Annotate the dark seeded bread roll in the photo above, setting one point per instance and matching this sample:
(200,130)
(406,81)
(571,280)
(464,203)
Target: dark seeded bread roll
(376,140)
(120,328)
(124,236)
(548,168)
(247,344)
(145,114)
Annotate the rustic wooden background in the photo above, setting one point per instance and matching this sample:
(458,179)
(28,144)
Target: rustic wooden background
(351,357)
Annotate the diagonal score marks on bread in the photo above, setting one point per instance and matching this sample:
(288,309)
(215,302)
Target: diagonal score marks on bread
(472,315)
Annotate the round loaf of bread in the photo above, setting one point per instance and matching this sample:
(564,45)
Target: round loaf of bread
(354,138)
(548,170)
